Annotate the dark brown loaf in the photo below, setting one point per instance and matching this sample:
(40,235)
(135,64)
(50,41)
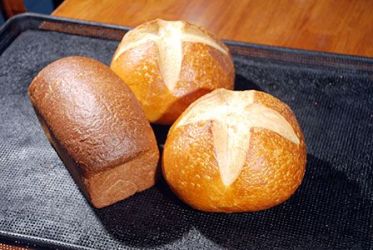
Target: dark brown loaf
(97,127)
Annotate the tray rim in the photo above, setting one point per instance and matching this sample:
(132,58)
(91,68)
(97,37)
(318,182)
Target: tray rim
(24,240)
(344,58)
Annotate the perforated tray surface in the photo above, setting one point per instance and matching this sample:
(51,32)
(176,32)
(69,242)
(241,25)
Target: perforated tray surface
(331,95)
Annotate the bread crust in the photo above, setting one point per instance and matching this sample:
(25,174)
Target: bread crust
(97,126)
(272,171)
(203,69)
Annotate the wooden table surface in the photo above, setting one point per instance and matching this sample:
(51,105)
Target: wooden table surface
(339,26)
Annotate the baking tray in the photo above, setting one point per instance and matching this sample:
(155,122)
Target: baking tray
(332,96)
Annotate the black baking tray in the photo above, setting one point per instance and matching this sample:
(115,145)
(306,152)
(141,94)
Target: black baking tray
(332,96)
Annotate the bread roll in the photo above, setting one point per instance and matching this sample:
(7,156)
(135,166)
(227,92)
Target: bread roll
(235,151)
(169,64)
(97,127)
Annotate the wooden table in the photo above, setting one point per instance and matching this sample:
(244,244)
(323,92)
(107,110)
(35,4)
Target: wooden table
(339,26)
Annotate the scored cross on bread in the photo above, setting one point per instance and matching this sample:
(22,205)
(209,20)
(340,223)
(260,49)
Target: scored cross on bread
(235,151)
(233,114)
(170,64)
(168,37)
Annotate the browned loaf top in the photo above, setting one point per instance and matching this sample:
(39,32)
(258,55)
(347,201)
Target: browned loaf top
(91,112)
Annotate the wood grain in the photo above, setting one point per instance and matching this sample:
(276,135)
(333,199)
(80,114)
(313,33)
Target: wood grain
(12,7)
(341,26)
(10,247)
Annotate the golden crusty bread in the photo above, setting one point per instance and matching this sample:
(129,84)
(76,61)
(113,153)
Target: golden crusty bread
(235,151)
(169,64)
(98,128)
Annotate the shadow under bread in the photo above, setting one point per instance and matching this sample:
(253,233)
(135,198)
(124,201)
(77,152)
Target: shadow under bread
(327,209)
(242,83)
(151,218)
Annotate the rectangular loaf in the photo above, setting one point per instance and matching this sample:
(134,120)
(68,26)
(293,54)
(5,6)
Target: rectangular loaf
(97,127)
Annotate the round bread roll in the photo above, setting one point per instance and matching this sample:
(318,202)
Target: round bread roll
(169,64)
(235,151)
